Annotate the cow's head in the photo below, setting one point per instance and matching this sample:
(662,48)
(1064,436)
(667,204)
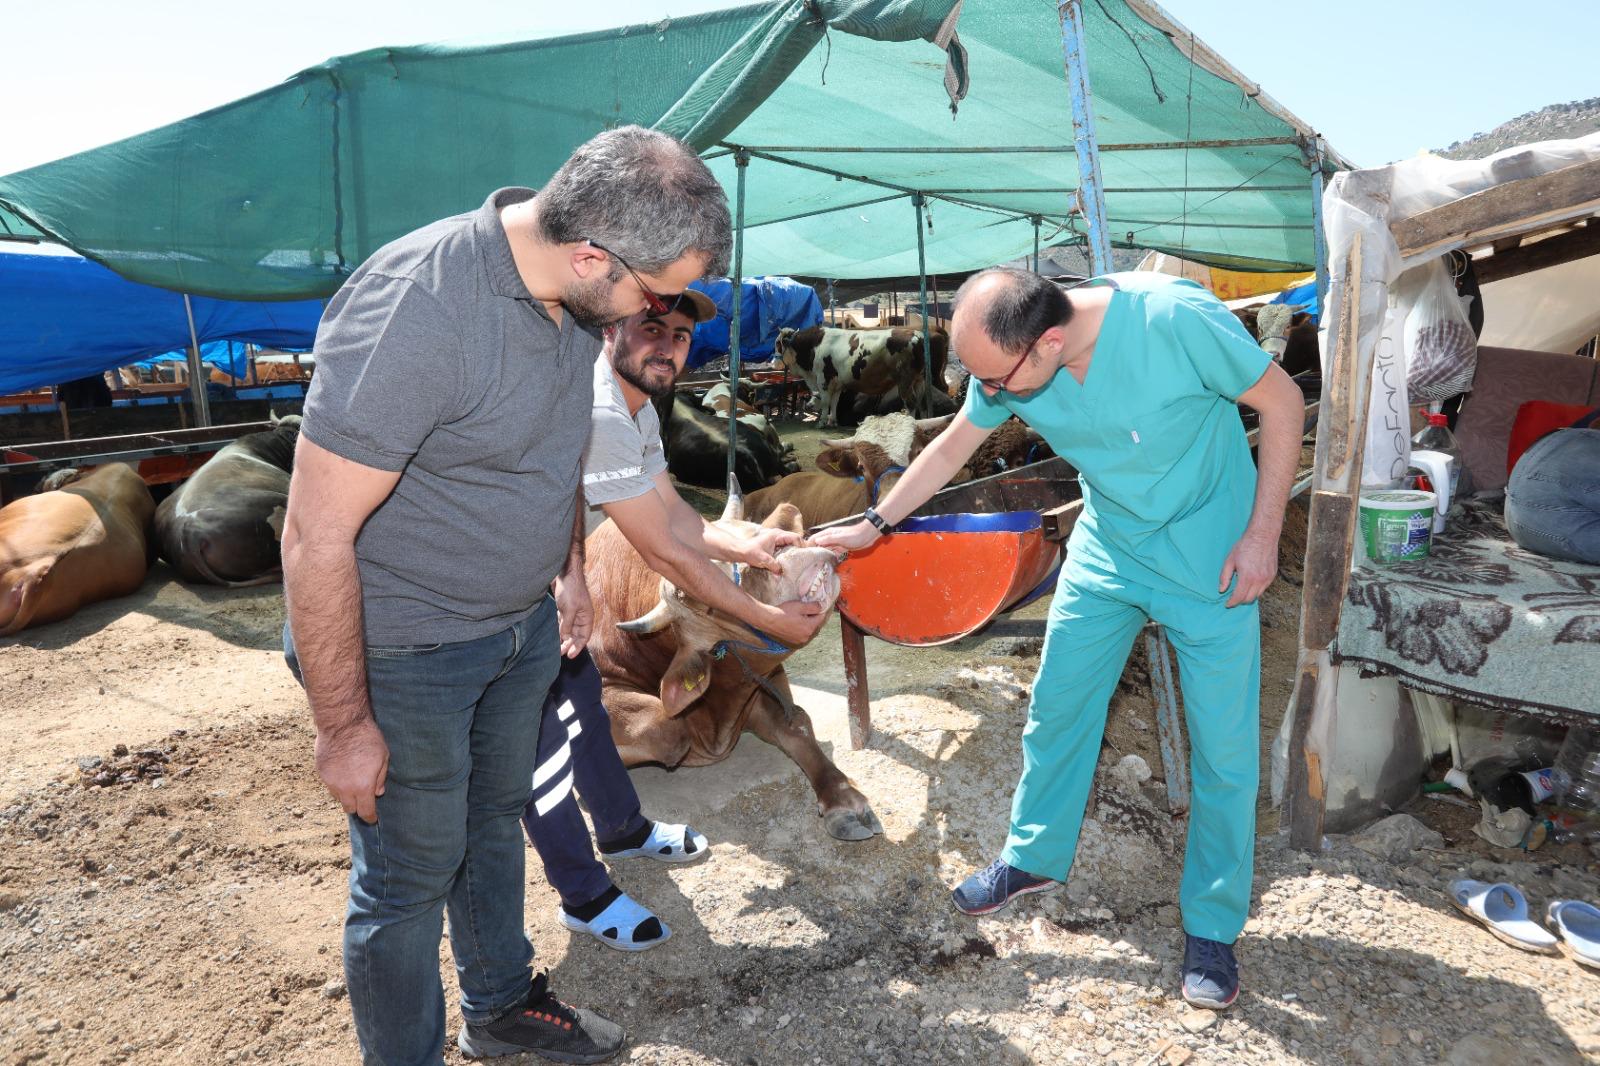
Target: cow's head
(808,574)
(899,435)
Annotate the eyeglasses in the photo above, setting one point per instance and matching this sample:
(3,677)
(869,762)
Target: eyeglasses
(656,305)
(999,385)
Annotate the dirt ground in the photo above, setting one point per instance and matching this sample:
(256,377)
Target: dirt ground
(187,909)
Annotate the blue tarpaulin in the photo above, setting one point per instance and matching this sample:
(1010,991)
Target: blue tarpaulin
(68,318)
(767,305)
(1301,298)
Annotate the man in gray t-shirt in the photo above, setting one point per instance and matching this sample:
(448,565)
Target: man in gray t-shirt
(435,500)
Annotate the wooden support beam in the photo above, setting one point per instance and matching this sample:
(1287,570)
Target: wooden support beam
(1330,542)
(1580,243)
(859,694)
(1306,796)
(1499,211)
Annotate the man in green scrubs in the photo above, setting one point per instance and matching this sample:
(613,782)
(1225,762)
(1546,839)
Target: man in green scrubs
(1134,381)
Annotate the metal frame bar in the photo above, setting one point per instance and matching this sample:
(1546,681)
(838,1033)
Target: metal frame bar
(741,162)
(197,378)
(1318,237)
(1013,149)
(1205,225)
(920,203)
(905,190)
(1169,726)
(1091,187)
(1124,190)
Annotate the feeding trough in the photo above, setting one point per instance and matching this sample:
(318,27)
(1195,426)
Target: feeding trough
(970,554)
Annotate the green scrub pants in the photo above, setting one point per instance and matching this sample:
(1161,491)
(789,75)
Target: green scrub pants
(1093,622)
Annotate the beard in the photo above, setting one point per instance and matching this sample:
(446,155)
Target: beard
(589,302)
(632,369)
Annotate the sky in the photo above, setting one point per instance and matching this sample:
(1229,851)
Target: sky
(1380,79)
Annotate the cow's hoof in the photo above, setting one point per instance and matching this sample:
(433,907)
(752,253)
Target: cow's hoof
(848,825)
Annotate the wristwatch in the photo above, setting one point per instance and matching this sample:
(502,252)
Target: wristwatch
(871,515)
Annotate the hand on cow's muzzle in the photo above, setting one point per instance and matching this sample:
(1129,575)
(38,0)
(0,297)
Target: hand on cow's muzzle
(762,549)
(353,763)
(796,623)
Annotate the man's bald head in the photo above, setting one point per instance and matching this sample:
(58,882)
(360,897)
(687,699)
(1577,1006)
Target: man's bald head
(1012,308)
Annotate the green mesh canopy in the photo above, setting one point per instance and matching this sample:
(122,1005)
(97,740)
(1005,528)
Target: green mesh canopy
(846,108)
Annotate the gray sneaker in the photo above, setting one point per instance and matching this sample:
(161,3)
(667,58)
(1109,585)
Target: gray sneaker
(546,1027)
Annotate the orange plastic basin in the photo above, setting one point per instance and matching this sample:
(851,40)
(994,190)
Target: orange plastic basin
(942,577)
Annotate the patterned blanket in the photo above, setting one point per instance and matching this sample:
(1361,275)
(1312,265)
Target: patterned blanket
(1480,620)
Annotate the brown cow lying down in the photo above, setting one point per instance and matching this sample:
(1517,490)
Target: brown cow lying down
(223,525)
(68,547)
(674,702)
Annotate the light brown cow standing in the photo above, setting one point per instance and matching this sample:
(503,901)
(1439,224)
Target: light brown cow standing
(673,702)
(72,546)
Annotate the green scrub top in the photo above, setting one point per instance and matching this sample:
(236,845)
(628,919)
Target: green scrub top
(1168,482)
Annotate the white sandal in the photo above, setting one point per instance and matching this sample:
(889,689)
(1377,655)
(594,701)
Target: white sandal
(666,843)
(618,925)
(1503,910)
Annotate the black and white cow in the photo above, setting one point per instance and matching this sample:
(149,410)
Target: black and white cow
(870,361)
(696,443)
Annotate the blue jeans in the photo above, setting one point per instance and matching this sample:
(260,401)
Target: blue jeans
(576,752)
(1553,497)
(462,724)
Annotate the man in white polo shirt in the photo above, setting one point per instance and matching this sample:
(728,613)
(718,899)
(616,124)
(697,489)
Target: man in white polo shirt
(625,479)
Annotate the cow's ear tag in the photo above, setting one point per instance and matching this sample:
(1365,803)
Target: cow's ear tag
(687,679)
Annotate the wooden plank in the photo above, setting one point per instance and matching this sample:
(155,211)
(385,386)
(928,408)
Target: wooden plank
(1330,533)
(855,675)
(1580,243)
(1342,434)
(1305,794)
(1501,210)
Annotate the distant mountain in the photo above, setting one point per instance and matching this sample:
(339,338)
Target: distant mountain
(1556,122)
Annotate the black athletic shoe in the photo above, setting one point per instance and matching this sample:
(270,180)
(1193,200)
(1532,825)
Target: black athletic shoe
(546,1027)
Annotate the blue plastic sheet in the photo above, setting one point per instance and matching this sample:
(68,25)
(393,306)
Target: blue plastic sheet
(767,305)
(68,318)
(1301,298)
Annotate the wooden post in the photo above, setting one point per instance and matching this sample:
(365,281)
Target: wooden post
(1330,543)
(855,676)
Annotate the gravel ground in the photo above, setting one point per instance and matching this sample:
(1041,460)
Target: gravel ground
(187,909)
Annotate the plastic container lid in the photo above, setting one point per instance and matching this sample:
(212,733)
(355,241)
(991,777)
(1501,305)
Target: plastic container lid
(1438,420)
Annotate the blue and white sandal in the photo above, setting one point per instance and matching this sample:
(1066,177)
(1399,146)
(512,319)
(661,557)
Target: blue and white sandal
(1578,924)
(624,925)
(666,843)
(1502,909)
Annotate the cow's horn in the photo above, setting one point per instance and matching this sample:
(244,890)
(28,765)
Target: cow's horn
(653,621)
(838,442)
(937,424)
(735,507)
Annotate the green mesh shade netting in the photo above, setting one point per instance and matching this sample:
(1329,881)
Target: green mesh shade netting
(281,194)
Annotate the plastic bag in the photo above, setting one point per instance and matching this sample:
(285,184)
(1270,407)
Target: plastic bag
(1440,346)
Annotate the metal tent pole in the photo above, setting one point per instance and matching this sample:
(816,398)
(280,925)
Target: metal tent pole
(1091,188)
(833,307)
(1036,244)
(197,380)
(742,164)
(922,284)
(1319,239)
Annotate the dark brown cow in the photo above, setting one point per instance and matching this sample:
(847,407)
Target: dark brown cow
(870,361)
(74,545)
(674,703)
